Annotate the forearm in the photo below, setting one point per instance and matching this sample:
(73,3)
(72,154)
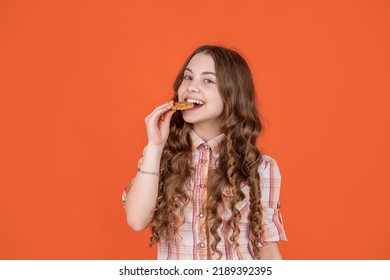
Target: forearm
(270,252)
(141,198)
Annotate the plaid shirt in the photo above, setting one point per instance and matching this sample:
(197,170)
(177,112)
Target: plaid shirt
(192,243)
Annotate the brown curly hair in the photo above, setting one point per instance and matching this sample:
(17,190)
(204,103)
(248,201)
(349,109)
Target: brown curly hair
(238,161)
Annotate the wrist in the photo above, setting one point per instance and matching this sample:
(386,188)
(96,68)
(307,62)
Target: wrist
(154,149)
(149,172)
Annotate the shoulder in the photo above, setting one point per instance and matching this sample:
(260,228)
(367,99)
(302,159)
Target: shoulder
(268,167)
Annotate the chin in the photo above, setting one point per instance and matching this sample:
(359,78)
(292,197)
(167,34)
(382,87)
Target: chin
(189,120)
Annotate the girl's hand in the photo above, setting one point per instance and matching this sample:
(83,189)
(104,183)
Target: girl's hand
(157,124)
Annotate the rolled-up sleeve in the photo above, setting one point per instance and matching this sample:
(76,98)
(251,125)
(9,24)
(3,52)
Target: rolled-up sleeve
(270,182)
(125,191)
(128,186)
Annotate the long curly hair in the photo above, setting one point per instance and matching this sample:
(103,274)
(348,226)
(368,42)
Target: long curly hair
(238,161)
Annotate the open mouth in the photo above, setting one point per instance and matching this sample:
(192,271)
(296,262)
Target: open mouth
(197,103)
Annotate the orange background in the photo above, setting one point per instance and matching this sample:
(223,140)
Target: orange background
(77,79)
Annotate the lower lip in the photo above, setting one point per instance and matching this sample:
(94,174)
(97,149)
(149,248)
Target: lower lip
(195,108)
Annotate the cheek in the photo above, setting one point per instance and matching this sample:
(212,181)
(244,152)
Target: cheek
(219,104)
(180,91)
(180,87)
(220,109)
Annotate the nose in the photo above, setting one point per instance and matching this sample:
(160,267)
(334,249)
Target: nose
(192,87)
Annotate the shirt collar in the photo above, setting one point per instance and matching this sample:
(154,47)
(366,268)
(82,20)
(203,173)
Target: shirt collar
(214,143)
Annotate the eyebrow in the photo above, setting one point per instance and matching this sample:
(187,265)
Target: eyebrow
(203,73)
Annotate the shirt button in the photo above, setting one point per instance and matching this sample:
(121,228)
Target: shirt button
(201,215)
(202,185)
(204,160)
(202,245)
(206,147)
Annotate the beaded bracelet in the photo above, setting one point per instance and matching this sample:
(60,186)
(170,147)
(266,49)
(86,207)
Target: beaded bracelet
(148,172)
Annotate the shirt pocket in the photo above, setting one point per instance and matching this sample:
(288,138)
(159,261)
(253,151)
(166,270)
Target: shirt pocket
(225,209)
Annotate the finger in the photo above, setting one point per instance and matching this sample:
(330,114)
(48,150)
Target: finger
(157,114)
(161,106)
(166,118)
(158,111)
(168,108)
(163,116)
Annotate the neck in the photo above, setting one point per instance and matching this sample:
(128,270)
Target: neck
(206,132)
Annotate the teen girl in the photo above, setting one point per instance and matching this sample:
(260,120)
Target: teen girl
(202,184)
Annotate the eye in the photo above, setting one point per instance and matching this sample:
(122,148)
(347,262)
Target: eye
(186,77)
(208,81)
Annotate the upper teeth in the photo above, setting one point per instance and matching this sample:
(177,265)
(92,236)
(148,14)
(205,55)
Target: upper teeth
(195,101)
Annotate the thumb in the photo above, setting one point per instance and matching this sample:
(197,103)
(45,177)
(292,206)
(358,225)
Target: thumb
(168,115)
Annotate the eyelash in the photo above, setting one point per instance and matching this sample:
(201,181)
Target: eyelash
(189,78)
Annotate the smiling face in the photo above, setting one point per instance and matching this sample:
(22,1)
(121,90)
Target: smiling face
(200,86)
